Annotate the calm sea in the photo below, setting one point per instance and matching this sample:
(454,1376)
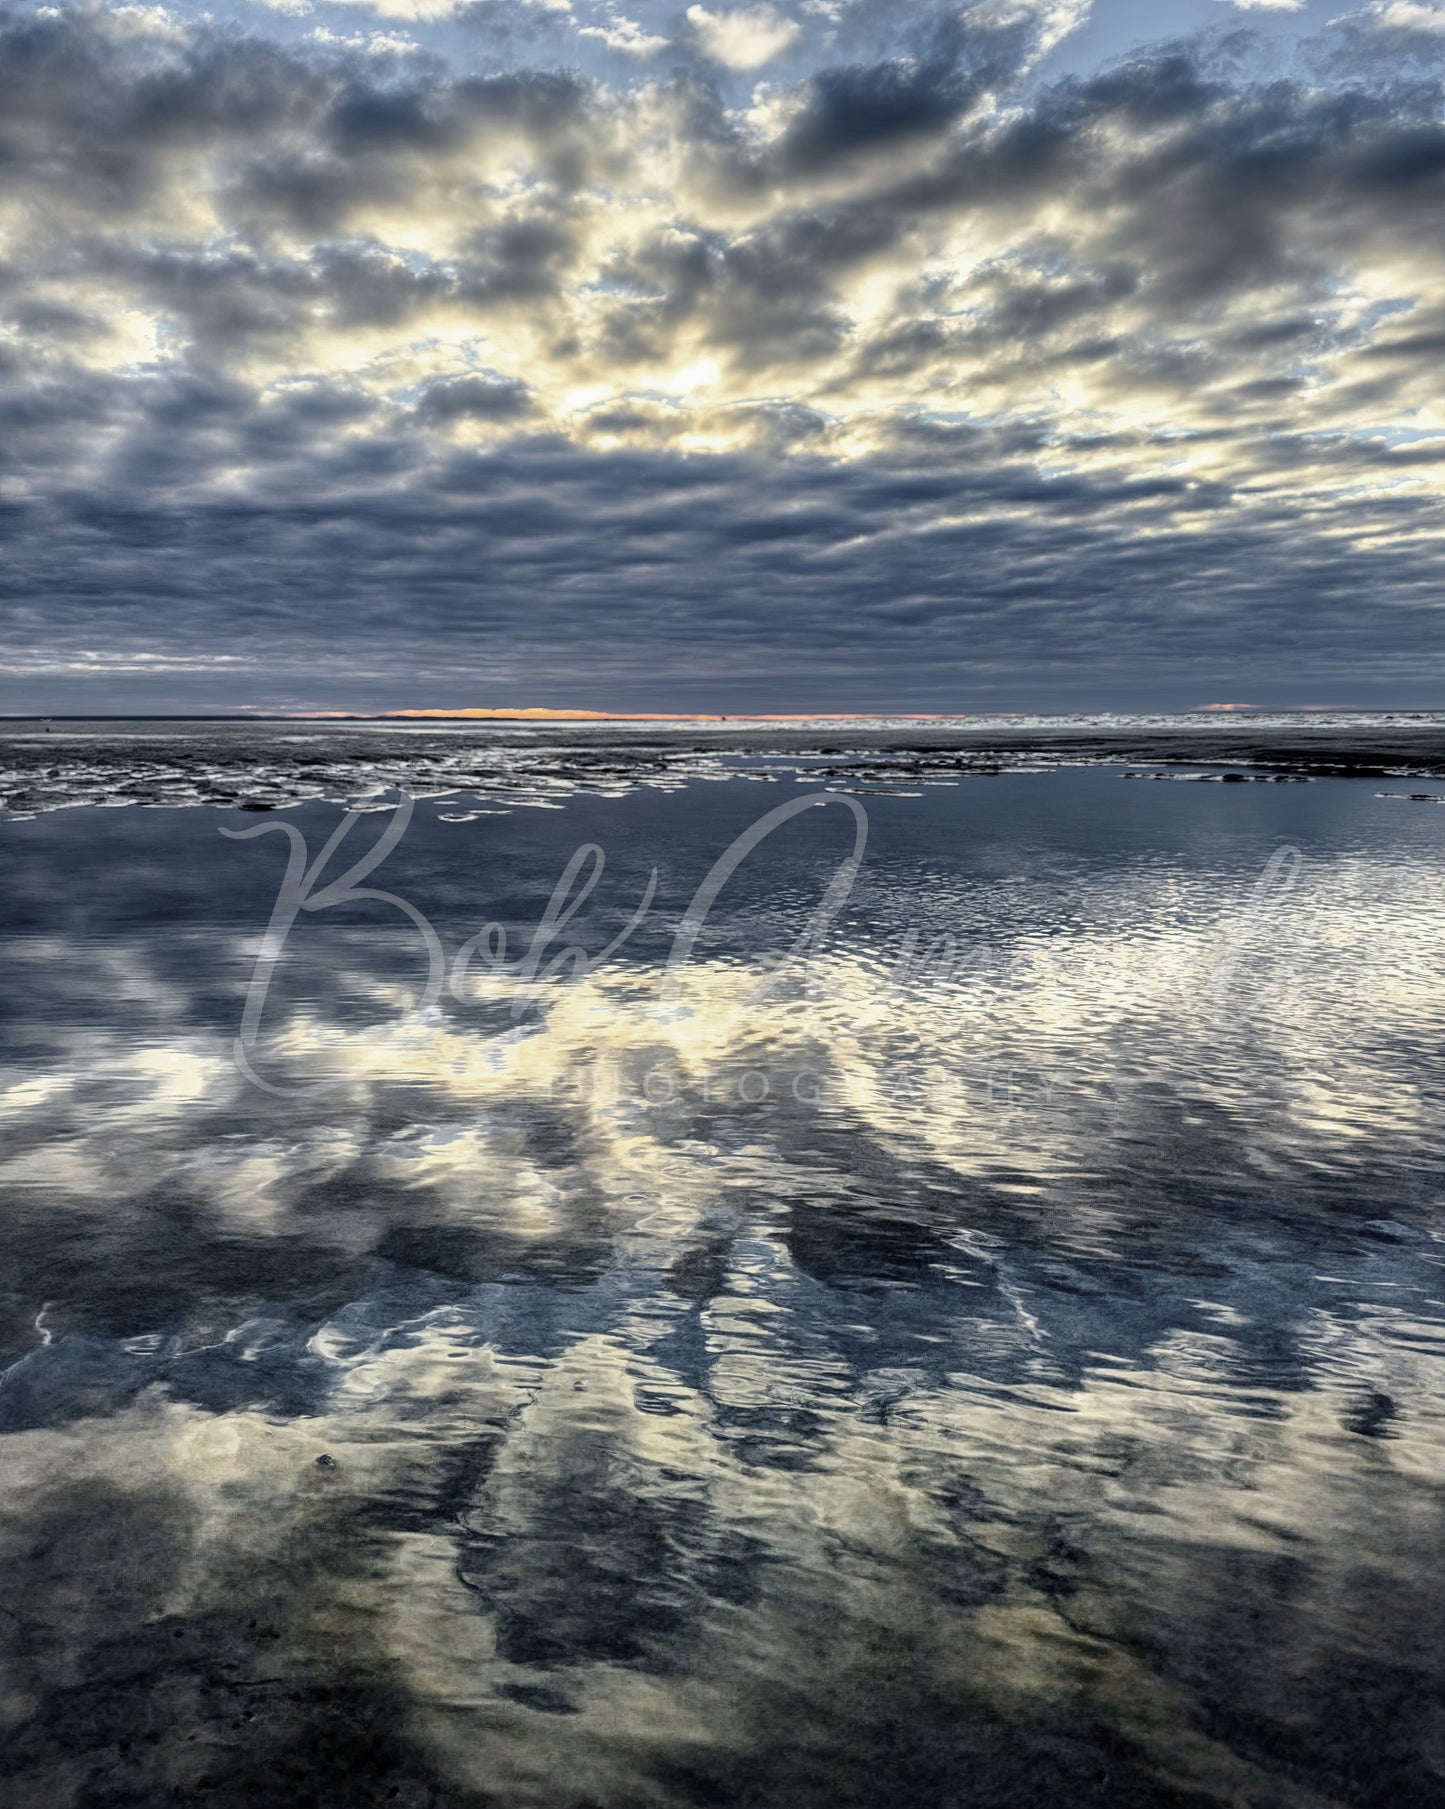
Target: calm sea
(947,1310)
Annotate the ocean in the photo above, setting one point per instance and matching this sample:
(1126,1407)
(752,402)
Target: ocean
(756,1265)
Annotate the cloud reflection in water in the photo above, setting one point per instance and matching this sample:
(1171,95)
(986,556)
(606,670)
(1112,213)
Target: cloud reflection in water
(1042,1403)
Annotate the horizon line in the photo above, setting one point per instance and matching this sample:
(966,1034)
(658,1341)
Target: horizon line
(547,713)
(544,713)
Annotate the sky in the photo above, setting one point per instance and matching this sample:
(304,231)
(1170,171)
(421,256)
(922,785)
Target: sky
(800,355)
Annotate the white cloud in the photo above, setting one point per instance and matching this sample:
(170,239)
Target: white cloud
(375,44)
(625,35)
(414,12)
(1267,6)
(1051,20)
(1409,15)
(745,38)
(141,21)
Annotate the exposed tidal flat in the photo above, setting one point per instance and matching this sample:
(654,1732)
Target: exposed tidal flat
(992,1355)
(47,765)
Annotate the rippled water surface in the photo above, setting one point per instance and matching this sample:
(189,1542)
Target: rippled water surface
(995,1357)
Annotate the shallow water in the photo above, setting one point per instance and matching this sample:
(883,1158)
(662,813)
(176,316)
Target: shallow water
(1004,1363)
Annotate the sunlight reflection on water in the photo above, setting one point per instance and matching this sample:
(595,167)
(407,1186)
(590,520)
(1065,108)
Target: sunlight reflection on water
(1008,1381)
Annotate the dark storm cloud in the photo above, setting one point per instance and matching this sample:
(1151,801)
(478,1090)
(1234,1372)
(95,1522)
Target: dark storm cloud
(589,567)
(483,398)
(355,371)
(956,59)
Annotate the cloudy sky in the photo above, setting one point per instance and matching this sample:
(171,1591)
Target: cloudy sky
(809,354)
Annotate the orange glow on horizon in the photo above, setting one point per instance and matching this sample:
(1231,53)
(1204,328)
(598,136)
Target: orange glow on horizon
(537,713)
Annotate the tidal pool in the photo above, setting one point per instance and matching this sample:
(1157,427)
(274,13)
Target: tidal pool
(995,1356)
